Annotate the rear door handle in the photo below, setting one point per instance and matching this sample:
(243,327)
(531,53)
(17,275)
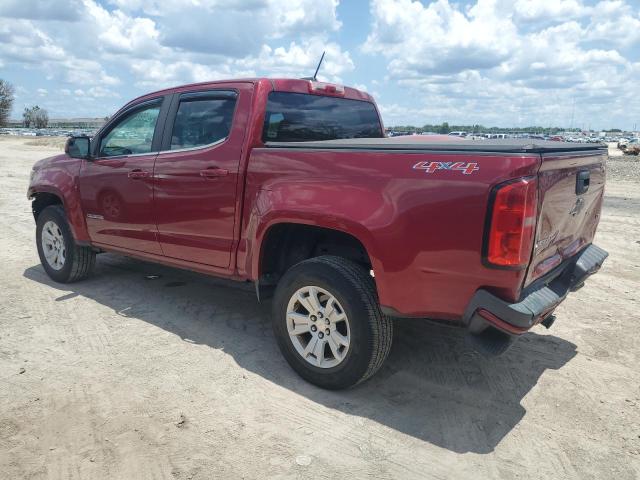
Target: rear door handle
(214,172)
(137,174)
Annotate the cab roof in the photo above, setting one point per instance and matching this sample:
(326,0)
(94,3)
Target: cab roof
(294,85)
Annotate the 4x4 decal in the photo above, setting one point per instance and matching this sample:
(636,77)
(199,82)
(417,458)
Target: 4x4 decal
(430,167)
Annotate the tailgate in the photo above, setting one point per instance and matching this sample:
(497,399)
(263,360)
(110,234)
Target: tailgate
(570,191)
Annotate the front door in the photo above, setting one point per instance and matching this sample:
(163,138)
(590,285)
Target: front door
(116,186)
(196,174)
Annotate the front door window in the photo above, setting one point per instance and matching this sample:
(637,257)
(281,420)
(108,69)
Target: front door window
(132,135)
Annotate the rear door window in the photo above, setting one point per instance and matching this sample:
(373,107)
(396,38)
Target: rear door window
(202,119)
(300,117)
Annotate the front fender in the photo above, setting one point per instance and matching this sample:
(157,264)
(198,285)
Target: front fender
(59,176)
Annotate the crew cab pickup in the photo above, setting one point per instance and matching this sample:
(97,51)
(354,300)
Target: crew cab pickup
(291,184)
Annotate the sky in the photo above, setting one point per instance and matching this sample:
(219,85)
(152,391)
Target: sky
(492,62)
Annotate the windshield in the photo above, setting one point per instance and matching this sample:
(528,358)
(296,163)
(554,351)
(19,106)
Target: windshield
(299,117)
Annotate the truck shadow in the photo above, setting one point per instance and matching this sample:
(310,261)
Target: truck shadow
(433,386)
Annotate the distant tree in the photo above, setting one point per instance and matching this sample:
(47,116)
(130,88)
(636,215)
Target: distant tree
(41,118)
(35,117)
(6,101)
(27,119)
(444,128)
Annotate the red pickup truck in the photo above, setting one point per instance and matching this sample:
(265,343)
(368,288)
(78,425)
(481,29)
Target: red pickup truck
(290,184)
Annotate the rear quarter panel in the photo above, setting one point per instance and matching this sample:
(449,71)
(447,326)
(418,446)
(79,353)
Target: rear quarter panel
(423,231)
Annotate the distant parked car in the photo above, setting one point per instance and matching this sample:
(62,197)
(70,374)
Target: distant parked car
(631,147)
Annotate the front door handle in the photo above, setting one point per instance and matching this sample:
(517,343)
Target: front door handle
(137,174)
(214,172)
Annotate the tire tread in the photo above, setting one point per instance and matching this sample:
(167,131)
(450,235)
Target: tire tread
(381,325)
(82,258)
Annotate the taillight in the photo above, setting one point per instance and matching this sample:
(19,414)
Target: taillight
(326,88)
(512,224)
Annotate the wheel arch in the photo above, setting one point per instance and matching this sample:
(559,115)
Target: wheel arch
(44,196)
(43,199)
(285,242)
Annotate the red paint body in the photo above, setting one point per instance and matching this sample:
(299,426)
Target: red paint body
(423,232)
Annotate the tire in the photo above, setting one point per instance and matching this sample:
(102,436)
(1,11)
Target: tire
(347,290)
(76,262)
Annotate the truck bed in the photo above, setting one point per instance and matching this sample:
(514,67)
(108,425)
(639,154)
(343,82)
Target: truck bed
(424,143)
(428,271)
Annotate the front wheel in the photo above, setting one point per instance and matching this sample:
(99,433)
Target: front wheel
(62,259)
(328,322)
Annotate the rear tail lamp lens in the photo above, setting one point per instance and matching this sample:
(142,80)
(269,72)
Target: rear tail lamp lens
(512,224)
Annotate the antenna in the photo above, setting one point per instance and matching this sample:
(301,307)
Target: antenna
(318,68)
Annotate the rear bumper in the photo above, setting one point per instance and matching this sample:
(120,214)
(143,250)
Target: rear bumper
(538,301)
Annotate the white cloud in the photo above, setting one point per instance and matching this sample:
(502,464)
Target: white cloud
(153,44)
(235,28)
(503,62)
(615,22)
(65,10)
(22,40)
(439,38)
(493,61)
(213,39)
(26,42)
(120,33)
(536,10)
(300,60)
(296,60)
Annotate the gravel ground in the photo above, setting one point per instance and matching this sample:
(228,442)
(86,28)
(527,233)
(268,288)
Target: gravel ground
(178,376)
(625,168)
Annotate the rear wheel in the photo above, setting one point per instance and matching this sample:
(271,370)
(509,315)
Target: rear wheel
(62,259)
(328,323)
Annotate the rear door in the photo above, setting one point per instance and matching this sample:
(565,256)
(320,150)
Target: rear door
(197,174)
(571,188)
(116,185)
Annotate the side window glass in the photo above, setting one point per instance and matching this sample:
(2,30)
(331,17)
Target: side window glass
(132,135)
(273,125)
(201,122)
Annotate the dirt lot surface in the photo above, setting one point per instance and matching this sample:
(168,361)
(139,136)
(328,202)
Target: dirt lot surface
(179,377)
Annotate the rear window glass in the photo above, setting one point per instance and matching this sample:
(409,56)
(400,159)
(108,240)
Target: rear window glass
(201,122)
(299,117)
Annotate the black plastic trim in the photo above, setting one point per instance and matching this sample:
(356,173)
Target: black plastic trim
(583,178)
(391,312)
(516,146)
(209,95)
(543,297)
(389,150)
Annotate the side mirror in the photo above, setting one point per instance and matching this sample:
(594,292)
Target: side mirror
(78,147)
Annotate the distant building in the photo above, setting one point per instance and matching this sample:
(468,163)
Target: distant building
(74,123)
